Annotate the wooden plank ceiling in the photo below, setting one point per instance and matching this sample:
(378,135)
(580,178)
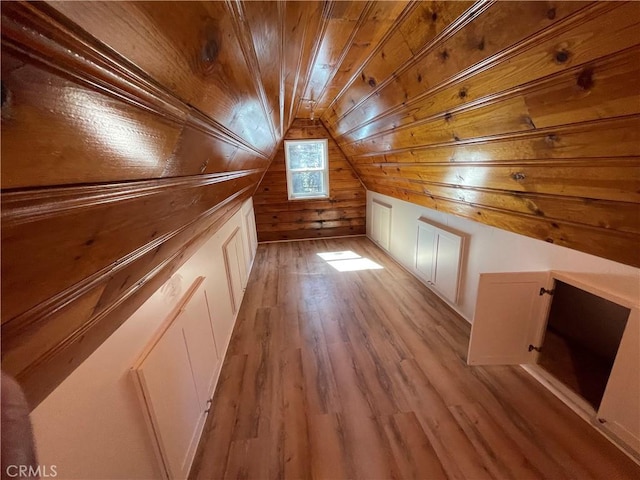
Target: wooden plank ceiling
(131,130)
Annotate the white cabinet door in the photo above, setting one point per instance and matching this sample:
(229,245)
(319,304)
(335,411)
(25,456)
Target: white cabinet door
(425,250)
(438,259)
(176,376)
(235,266)
(620,407)
(201,346)
(510,315)
(446,270)
(252,240)
(381,224)
(172,400)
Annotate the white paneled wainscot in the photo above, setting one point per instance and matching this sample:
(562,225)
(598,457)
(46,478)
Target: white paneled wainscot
(136,407)
(439,258)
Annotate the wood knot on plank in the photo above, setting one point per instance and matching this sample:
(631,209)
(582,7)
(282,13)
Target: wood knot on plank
(585,79)
(447,117)
(462,93)
(372,82)
(210,51)
(481,44)
(444,55)
(5,94)
(551,139)
(518,176)
(207,61)
(562,56)
(551,13)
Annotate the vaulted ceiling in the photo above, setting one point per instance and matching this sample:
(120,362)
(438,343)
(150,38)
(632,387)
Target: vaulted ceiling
(130,130)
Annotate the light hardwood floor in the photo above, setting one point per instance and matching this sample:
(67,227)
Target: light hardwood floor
(362,374)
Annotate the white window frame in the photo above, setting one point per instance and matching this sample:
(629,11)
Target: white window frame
(324,169)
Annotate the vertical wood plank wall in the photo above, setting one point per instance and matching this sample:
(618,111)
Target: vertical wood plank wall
(344,213)
(520,115)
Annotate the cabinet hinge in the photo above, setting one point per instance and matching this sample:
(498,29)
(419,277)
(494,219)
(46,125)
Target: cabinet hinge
(548,292)
(537,349)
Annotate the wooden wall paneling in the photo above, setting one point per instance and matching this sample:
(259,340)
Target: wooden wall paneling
(244,160)
(607,179)
(191,49)
(343,213)
(507,116)
(302,106)
(344,21)
(89,91)
(281,97)
(553,103)
(256,26)
(395,54)
(197,152)
(364,40)
(617,137)
(310,215)
(90,228)
(45,115)
(302,22)
(472,41)
(533,62)
(40,362)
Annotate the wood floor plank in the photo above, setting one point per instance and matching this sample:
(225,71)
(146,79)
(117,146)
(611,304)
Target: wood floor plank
(329,454)
(297,461)
(501,456)
(362,374)
(411,448)
(213,457)
(368,448)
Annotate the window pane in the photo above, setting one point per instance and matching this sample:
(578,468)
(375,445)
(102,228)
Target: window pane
(307,183)
(305,155)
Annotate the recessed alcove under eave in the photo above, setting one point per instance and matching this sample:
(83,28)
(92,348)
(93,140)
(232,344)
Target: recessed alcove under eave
(581,340)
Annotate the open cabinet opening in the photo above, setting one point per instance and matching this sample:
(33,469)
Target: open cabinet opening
(581,340)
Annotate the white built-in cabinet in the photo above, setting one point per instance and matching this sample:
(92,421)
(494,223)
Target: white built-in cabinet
(439,258)
(381,224)
(235,267)
(510,322)
(250,229)
(175,378)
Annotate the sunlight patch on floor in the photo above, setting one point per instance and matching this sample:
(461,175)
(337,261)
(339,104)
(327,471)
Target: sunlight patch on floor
(348,261)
